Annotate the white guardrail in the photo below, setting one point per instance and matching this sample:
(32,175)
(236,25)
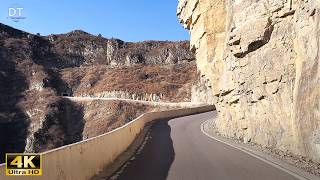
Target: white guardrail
(82,160)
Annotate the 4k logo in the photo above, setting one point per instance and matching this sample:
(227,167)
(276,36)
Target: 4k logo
(23,165)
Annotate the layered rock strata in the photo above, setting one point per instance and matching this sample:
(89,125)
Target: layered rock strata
(262,60)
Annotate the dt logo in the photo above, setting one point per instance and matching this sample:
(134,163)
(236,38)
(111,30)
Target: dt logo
(15,13)
(23,164)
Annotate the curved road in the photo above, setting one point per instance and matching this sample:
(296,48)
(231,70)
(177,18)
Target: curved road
(178,150)
(186,104)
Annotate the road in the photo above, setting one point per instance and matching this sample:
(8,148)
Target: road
(177,149)
(180,104)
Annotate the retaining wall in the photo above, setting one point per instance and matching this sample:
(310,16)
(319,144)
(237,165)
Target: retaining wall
(82,160)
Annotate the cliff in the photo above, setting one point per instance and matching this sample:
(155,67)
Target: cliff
(78,48)
(261,61)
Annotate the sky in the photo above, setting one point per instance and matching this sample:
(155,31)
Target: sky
(129,20)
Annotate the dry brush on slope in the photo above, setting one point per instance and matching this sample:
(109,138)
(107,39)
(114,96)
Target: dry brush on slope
(35,70)
(169,83)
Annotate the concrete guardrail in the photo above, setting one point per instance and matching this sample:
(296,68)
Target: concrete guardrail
(82,160)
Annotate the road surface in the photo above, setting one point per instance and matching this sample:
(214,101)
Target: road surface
(178,150)
(180,104)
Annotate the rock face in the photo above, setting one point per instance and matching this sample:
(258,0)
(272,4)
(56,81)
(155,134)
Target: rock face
(261,59)
(78,48)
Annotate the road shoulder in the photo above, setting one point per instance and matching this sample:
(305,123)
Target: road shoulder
(278,163)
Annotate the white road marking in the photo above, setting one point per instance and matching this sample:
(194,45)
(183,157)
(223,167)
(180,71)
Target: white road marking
(251,153)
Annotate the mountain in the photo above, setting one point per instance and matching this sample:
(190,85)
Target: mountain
(36,71)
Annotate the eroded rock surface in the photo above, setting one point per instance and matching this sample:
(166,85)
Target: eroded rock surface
(262,61)
(78,48)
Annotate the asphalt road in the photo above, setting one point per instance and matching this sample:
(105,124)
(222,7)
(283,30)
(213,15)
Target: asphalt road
(178,150)
(187,104)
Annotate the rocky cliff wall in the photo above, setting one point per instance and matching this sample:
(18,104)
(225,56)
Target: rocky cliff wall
(262,60)
(78,48)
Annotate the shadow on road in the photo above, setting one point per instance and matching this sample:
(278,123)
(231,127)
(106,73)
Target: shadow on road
(156,157)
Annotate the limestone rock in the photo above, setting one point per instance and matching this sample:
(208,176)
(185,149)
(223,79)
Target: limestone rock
(262,60)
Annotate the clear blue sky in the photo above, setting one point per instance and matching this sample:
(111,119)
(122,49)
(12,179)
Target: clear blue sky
(129,20)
